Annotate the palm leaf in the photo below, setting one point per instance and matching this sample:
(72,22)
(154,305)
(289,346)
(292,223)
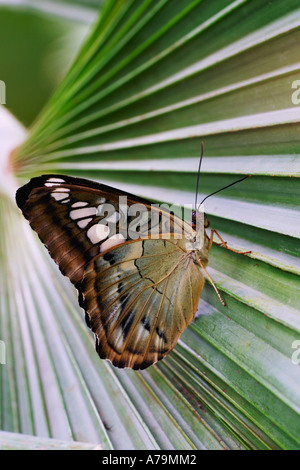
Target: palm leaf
(153,80)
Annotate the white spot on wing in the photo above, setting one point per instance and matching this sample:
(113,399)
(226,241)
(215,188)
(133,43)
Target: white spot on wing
(141,334)
(56,180)
(118,338)
(52,184)
(59,196)
(84,223)
(82,213)
(80,204)
(115,240)
(98,232)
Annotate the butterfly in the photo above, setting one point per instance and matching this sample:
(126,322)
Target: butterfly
(138,268)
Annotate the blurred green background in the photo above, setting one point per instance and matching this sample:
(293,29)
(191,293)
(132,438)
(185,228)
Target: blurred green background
(37,46)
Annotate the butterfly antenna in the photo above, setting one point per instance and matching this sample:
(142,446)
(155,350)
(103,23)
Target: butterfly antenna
(198,175)
(225,187)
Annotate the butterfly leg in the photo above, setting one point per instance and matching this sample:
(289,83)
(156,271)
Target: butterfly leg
(223,243)
(213,284)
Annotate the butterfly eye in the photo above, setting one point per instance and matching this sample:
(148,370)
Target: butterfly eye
(206,221)
(194,217)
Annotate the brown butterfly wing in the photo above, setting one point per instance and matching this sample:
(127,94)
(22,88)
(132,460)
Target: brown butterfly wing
(50,218)
(152,288)
(61,210)
(65,212)
(139,297)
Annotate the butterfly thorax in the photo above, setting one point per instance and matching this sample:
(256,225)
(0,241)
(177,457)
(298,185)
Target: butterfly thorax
(198,243)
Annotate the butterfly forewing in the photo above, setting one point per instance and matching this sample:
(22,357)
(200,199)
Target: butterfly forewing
(138,285)
(67,214)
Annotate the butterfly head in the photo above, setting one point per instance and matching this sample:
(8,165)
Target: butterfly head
(196,217)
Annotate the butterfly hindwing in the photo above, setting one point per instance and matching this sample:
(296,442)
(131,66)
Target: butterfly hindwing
(138,301)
